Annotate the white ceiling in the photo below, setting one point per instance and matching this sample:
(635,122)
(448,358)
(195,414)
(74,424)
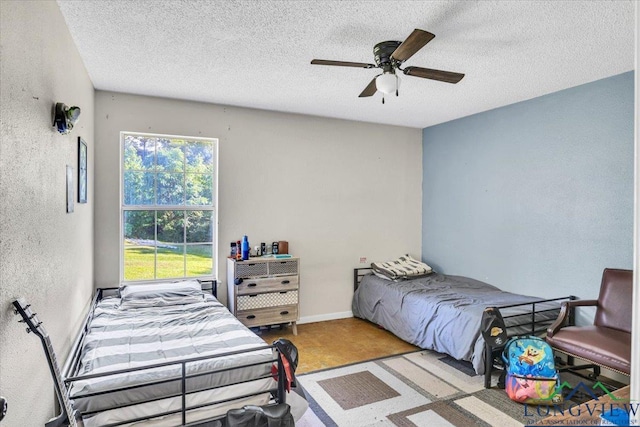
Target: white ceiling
(257,54)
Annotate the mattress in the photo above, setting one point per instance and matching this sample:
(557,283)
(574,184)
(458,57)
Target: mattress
(121,340)
(443,313)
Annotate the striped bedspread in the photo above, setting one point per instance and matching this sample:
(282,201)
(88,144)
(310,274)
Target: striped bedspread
(130,338)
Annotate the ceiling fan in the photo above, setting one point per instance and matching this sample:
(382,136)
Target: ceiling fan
(389,56)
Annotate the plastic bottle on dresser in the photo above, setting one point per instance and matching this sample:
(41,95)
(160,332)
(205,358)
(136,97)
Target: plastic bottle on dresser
(245,248)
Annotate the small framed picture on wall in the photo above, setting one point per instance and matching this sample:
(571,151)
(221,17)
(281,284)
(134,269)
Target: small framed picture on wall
(69,189)
(82,171)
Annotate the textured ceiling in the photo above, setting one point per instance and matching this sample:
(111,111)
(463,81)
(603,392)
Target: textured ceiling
(257,54)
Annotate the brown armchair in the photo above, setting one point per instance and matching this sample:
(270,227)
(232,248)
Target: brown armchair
(607,342)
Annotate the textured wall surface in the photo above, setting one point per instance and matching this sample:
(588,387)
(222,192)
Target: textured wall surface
(535,197)
(46,255)
(336,190)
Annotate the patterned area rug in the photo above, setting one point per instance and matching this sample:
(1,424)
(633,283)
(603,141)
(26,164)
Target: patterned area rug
(416,389)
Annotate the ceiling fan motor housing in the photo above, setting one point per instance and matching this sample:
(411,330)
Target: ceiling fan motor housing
(382,54)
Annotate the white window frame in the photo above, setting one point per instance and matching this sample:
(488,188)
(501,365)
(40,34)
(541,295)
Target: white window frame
(213,208)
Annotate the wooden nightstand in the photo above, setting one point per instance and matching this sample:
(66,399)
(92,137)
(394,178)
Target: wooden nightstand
(267,293)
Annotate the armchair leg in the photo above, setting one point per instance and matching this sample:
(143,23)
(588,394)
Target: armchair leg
(596,370)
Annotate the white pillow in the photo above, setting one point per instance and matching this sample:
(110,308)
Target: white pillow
(160,294)
(186,286)
(161,301)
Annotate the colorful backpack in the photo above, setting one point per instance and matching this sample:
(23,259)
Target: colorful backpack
(531,375)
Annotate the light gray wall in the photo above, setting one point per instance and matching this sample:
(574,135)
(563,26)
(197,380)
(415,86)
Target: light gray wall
(46,255)
(336,190)
(535,197)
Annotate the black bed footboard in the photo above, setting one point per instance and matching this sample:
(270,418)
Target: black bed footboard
(536,317)
(190,384)
(530,318)
(277,391)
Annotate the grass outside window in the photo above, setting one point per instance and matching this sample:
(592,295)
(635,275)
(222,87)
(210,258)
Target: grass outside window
(139,262)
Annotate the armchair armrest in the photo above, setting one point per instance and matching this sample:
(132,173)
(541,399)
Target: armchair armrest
(565,309)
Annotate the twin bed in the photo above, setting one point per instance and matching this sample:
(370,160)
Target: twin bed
(443,313)
(167,355)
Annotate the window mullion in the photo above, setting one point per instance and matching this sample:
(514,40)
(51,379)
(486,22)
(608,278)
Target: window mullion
(155,244)
(166,208)
(184,212)
(155,207)
(184,243)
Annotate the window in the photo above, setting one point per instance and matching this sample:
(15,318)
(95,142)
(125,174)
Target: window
(168,206)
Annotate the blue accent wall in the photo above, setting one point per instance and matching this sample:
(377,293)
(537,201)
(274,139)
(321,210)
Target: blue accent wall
(534,197)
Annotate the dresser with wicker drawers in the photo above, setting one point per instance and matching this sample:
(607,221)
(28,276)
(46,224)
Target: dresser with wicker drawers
(264,291)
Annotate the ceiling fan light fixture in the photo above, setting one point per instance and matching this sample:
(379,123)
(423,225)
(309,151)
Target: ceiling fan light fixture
(387,83)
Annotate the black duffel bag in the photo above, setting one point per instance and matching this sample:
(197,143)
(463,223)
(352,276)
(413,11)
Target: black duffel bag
(273,415)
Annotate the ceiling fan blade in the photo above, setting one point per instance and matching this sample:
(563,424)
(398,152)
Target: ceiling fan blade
(416,41)
(342,63)
(370,89)
(428,73)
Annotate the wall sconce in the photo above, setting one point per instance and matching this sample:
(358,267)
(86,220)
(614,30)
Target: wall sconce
(64,118)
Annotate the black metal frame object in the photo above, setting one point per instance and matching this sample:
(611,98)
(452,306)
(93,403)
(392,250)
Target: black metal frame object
(537,328)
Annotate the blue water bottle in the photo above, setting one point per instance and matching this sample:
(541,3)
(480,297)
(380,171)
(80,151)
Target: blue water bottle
(245,248)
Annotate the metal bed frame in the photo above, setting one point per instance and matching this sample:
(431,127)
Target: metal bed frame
(530,320)
(72,364)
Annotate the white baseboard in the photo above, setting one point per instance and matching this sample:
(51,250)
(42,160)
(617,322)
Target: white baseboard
(325,317)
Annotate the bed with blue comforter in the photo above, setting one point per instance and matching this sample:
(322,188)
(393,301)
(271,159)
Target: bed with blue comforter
(441,312)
